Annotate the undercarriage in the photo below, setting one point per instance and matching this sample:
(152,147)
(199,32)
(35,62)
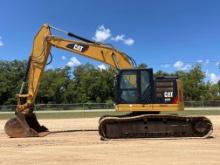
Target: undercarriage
(154,126)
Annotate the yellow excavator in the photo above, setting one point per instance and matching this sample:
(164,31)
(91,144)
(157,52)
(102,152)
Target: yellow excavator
(137,92)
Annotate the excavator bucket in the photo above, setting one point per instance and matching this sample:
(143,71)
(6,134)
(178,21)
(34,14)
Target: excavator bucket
(25,126)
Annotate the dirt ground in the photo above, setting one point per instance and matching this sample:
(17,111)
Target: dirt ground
(85,147)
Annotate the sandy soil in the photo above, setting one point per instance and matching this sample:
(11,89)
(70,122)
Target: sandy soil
(85,147)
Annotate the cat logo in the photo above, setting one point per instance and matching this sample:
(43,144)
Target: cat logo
(168,94)
(78,47)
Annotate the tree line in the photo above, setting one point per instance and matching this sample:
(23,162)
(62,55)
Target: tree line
(86,83)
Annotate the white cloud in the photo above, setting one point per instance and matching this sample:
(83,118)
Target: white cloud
(179,65)
(200,61)
(63,58)
(102,34)
(50,66)
(206,62)
(128,41)
(213,78)
(1,42)
(207,73)
(218,64)
(102,67)
(165,65)
(118,38)
(121,37)
(186,67)
(73,62)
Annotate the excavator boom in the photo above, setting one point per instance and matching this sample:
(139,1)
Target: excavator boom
(44,41)
(25,124)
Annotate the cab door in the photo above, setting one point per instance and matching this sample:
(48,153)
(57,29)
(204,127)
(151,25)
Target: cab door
(134,86)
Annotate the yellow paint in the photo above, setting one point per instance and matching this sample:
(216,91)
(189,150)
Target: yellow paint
(148,107)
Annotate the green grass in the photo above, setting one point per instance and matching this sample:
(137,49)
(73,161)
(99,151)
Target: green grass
(199,112)
(67,115)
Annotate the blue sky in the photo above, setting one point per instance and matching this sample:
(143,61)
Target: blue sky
(167,35)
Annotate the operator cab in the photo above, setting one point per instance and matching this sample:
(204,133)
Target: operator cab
(138,86)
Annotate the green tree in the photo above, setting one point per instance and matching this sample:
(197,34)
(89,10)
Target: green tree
(142,66)
(93,85)
(11,74)
(53,86)
(161,73)
(86,83)
(193,83)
